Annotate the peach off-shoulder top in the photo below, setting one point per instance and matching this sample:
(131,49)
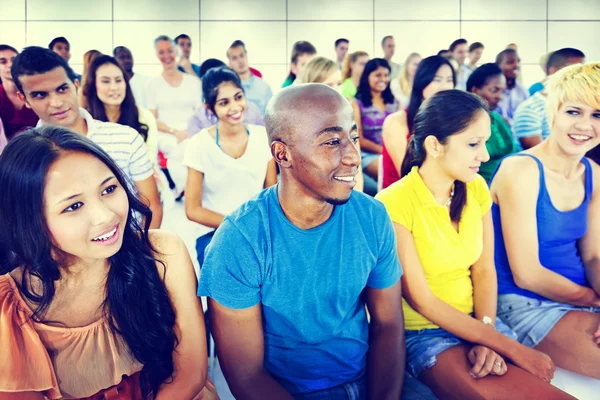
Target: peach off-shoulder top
(59,362)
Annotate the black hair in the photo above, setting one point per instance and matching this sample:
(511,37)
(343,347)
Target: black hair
(60,39)
(36,60)
(341,40)
(129,114)
(481,76)
(457,43)
(211,81)
(504,53)
(363,92)
(182,36)
(385,38)
(4,47)
(137,304)
(441,52)
(210,63)
(300,48)
(118,49)
(474,46)
(237,43)
(444,114)
(423,77)
(560,58)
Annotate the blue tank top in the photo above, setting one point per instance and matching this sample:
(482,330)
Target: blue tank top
(558,233)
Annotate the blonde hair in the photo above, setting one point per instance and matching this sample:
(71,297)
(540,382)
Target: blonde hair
(349,60)
(405,85)
(576,83)
(317,70)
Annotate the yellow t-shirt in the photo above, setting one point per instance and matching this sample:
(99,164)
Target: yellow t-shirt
(446,255)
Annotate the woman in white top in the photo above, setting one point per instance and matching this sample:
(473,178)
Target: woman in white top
(229,163)
(402,87)
(172,97)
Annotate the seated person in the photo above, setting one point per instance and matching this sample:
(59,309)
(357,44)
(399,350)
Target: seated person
(515,93)
(92,303)
(204,118)
(228,163)
(433,75)
(288,274)
(547,229)
(443,225)
(488,82)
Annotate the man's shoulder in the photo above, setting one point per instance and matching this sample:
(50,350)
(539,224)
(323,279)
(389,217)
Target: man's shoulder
(366,206)
(253,211)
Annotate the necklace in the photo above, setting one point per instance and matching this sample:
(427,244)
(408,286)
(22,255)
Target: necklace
(449,201)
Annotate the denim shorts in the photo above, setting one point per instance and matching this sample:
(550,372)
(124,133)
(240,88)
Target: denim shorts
(533,319)
(357,390)
(367,158)
(422,347)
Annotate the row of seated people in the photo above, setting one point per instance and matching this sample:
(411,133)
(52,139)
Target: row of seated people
(471,292)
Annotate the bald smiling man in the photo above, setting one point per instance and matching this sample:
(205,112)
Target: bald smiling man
(288,275)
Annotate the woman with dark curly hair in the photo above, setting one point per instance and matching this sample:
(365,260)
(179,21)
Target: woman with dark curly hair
(92,305)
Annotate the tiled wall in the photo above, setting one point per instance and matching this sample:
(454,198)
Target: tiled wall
(270,27)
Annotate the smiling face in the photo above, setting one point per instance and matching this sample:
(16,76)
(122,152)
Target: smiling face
(110,84)
(166,53)
(464,152)
(493,91)
(6,59)
(510,66)
(322,150)
(231,104)
(379,79)
(52,96)
(576,128)
(85,207)
(443,80)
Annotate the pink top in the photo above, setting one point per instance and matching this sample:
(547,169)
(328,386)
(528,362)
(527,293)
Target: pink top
(57,361)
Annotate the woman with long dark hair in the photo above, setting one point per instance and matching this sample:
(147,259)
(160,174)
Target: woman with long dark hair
(92,304)
(109,98)
(443,224)
(373,103)
(433,75)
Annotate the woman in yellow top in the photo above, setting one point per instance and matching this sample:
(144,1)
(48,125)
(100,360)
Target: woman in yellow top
(443,224)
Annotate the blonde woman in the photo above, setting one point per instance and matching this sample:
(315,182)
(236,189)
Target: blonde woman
(321,70)
(402,87)
(353,67)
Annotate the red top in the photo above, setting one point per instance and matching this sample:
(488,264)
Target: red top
(15,120)
(255,72)
(390,173)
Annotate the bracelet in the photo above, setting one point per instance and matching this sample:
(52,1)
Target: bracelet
(487,321)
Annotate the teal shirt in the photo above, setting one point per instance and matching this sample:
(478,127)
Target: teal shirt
(288,82)
(500,144)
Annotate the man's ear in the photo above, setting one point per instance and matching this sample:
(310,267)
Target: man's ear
(281,154)
(21,97)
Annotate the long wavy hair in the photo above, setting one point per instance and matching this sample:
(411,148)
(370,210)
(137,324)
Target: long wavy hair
(363,92)
(444,114)
(405,80)
(129,112)
(137,304)
(425,74)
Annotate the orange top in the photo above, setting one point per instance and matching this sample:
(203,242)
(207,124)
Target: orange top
(59,362)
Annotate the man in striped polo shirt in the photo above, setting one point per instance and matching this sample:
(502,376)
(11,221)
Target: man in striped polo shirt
(49,87)
(530,122)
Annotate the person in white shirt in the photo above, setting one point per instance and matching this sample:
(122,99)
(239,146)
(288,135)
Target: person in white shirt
(49,87)
(172,97)
(136,81)
(228,163)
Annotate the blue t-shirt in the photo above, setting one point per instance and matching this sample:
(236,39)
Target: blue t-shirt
(195,67)
(308,282)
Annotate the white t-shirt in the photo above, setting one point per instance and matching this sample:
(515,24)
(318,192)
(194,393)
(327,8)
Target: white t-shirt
(138,87)
(228,182)
(174,105)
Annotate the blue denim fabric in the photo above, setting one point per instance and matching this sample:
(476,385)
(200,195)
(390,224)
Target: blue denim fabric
(357,390)
(533,319)
(422,347)
(201,244)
